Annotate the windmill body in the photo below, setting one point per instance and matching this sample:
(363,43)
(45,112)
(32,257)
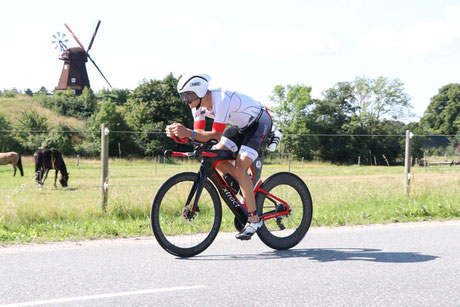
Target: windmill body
(74,74)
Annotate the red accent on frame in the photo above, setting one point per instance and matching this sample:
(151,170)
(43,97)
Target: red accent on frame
(208,154)
(218,127)
(274,214)
(176,139)
(178,154)
(252,171)
(199,125)
(269,114)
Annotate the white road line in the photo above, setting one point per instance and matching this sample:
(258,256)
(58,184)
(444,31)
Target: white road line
(92,297)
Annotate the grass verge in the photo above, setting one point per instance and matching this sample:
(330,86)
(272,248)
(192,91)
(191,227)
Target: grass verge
(342,195)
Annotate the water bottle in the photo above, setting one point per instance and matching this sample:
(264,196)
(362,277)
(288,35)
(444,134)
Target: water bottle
(275,140)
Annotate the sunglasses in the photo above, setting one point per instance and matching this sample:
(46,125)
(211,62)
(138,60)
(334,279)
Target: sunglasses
(188,97)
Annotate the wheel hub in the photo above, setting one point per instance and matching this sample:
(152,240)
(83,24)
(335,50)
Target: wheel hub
(188,216)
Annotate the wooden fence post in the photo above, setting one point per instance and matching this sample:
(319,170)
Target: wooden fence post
(424,161)
(289,161)
(407,162)
(104,165)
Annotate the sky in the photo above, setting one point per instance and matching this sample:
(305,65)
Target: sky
(248,46)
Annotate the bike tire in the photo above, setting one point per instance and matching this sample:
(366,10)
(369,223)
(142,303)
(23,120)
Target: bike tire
(294,191)
(178,235)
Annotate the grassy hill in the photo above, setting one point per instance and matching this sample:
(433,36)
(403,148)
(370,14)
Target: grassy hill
(12,109)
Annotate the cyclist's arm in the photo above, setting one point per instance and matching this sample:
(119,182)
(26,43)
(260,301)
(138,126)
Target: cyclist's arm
(204,136)
(199,135)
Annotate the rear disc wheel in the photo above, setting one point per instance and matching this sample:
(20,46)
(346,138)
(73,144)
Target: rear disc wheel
(288,230)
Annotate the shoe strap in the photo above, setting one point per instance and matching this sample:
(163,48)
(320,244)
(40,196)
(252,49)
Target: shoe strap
(251,224)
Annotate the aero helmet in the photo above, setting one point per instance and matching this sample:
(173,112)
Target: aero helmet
(193,87)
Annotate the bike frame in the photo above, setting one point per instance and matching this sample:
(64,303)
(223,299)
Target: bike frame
(208,169)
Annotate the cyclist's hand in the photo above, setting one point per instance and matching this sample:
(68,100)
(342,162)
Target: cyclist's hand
(179,130)
(169,132)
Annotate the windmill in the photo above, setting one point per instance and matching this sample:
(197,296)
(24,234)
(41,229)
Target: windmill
(74,74)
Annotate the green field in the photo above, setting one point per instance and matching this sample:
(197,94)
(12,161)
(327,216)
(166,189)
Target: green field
(342,195)
(13,108)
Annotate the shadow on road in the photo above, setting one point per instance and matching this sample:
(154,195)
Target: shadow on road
(328,255)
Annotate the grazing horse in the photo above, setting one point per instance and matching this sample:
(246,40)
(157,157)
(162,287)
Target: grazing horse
(46,159)
(12,158)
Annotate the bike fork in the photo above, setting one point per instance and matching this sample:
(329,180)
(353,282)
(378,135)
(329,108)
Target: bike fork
(197,188)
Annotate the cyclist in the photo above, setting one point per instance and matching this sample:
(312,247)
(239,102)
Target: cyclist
(249,125)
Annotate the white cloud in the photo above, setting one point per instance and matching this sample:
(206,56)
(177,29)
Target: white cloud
(422,39)
(278,43)
(452,13)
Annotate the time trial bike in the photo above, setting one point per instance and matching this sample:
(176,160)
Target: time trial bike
(186,213)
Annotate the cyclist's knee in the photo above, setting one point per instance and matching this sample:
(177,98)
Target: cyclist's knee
(220,146)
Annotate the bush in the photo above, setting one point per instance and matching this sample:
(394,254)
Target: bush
(33,128)
(62,137)
(121,144)
(69,104)
(7,140)
(10,93)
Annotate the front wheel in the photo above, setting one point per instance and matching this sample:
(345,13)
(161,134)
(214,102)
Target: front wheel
(288,230)
(177,229)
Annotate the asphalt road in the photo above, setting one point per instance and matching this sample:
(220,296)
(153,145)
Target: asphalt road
(414,264)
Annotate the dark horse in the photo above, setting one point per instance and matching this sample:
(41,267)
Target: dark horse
(12,158)
(45,160)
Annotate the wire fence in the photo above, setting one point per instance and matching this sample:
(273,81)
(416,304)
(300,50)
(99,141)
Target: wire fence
(158,132)
(158,161)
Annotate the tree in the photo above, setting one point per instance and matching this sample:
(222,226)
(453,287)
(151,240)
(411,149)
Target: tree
(61,138)
(69,104)
(121,143)
(7,141)
(333,115)
(364,106)
(10,93)
(42,90)
(443,112)
(291,106)
(150,107)
(291,103)
(33,128)
(120,96)
(376,100)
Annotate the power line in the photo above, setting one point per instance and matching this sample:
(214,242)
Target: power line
(289,134)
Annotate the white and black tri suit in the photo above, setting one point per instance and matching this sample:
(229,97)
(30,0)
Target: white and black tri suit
(249,122)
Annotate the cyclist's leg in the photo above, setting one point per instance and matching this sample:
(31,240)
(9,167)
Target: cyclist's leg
(240,172)
(250,149)
(231,140)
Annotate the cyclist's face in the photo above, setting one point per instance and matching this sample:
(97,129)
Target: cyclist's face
(188,97)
